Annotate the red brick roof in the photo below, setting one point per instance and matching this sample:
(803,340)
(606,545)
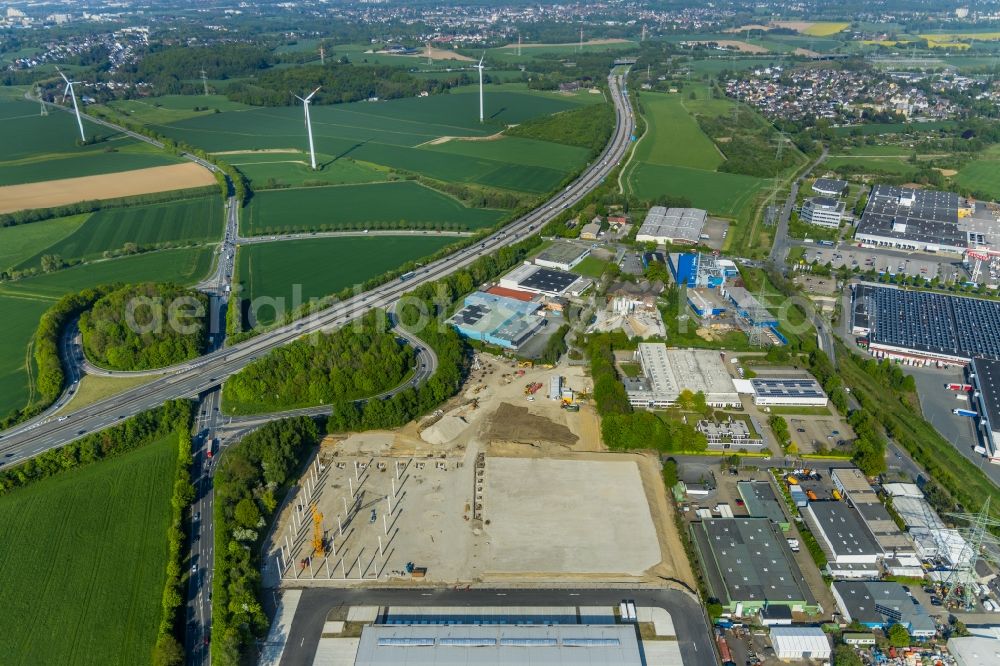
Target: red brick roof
(511,293)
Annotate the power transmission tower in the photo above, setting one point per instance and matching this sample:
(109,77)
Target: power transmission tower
(204,81)
(757,334)
(643,33)
(322,55)
(581,39)
(976,536)
(519,45)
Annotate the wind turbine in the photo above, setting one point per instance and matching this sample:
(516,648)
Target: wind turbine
(76,109)
(480,68)
(305,104)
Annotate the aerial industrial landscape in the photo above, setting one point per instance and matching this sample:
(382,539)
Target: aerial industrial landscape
(377,333)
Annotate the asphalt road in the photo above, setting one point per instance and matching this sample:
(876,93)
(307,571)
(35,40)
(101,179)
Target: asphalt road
(688,616)
(782,242)
(197,377)
(251,240)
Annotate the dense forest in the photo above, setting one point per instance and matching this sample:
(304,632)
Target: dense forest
(176,70)
(145,326)
(356,361)
(252,478)
(339,82)
(588,127)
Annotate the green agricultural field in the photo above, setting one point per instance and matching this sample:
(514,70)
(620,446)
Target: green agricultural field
(187,220)
(981,176)
(323,266)
(396,205)
(517,150)
(20,321)
(673,135)
(25,300)
(887,164)
(270,170)
(171,108)
(893,128)
(38,148)
(396,134)
(726,194)
(19,243)
(184,266)
(83,558)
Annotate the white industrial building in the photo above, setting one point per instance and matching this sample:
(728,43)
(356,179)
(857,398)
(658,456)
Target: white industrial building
(562,256)
(982,648)
(668,372)
(800,643)
(822,211)
(798,391)
(672,225)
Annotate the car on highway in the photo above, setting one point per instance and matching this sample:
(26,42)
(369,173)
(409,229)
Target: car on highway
(194,568)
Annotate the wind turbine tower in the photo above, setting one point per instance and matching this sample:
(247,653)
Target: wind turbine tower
(480,68)
(309,130)
(519,45)
(76,109)
(581,39)
(204,80)
(322,55)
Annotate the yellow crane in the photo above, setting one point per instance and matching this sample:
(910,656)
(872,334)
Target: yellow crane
(318,547)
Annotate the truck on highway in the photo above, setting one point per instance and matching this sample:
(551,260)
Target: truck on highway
(964,412)
(827,243)
(959,387)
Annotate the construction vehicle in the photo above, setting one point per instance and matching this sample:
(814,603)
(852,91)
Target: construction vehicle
(319,548)
(525,364)
(532,388)
(571,407)
(836,495)
(811,495)
(792,480)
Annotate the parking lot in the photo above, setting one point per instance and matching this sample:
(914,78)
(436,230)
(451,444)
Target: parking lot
(886,262)
(811,433)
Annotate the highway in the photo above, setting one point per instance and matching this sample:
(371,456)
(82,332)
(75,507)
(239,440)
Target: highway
(196,377)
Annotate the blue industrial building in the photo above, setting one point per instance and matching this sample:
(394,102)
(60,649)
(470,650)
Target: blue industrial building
(498,320)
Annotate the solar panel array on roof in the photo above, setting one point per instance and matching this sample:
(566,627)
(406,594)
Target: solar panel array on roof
(922,216)
(801,388)
(924,321)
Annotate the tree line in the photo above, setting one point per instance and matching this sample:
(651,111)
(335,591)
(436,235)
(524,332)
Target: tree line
(251,477)
(751,148)
(51,378)
(340,83)
(356,361)
(145,326)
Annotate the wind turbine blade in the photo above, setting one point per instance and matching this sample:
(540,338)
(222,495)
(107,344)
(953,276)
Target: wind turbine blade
(310,96)
(481,60)
(62,75)
(66,90)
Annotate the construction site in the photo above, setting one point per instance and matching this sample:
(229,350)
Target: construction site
(508,483)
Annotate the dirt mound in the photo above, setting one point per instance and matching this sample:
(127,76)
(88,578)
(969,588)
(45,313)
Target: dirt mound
(516,424)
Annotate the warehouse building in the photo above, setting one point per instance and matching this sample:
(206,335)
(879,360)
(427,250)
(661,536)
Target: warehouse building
(794,392)
(800,643)
(985,377)
(558,644)
(498,320)
(850,549)
(748,565)
(919,327)
(760,502)
(879,605)
(829,187)
(925,220)
(667,372)
(667,226)
(562,256)
(823,212)
(895,545)
(981,647)
(545,281)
